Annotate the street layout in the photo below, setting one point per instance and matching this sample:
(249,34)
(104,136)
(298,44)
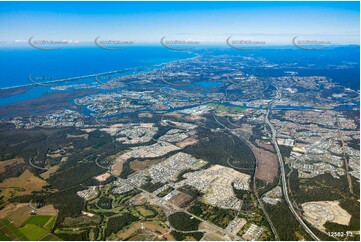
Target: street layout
(165,204)
(283,173)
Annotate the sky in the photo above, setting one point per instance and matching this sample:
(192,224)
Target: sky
(150,21)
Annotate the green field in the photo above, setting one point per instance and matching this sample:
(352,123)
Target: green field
(146,212)
(33,232)
(3,237)
(226,108)
(37,220)
(13,229)
(51,237)
(50,223)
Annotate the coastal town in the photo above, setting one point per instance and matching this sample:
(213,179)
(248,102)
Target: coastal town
(164,143)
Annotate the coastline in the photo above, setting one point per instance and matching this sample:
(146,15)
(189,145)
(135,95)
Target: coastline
(96,74)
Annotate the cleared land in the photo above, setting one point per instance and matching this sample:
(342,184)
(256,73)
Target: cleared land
(267,164)
(22,185)
(138,227)
(318,213)
(139,165)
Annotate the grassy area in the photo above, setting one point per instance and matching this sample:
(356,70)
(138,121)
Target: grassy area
(37,220)
(70,230)
(24,184)
(3,237)
(51,237)
(218,216)
(50,223)
(33,232)
(146,212)
(19,216)
(226,108)
(13,229)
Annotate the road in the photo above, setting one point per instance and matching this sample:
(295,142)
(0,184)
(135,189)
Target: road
(170,206)
(283,174)
(259,200)
(268,218)
(345,159)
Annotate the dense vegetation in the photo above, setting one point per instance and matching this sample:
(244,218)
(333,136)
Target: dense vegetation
(75,175)
(183,221)
(117,223)
(218,147)
(179,236)
(285,150)
(80,236)
(282,218)
(326,188)
(218,216)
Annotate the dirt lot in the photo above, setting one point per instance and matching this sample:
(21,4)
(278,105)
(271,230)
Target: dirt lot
(47,210)
(145,115)
(148,230)
(267,163)
(103,177)
(84,136)
(180,199)
(318,213)
(139,165)
(16,213)
(186,142)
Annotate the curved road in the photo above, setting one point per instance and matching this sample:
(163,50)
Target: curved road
(283,175)
(274,231)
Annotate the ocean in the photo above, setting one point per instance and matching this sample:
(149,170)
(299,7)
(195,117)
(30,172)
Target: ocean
(18,63)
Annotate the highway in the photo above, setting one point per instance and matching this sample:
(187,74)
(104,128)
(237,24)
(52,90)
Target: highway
(283,174)
(345,159)
(259,200)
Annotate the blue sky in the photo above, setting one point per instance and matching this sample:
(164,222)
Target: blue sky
(149,21)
